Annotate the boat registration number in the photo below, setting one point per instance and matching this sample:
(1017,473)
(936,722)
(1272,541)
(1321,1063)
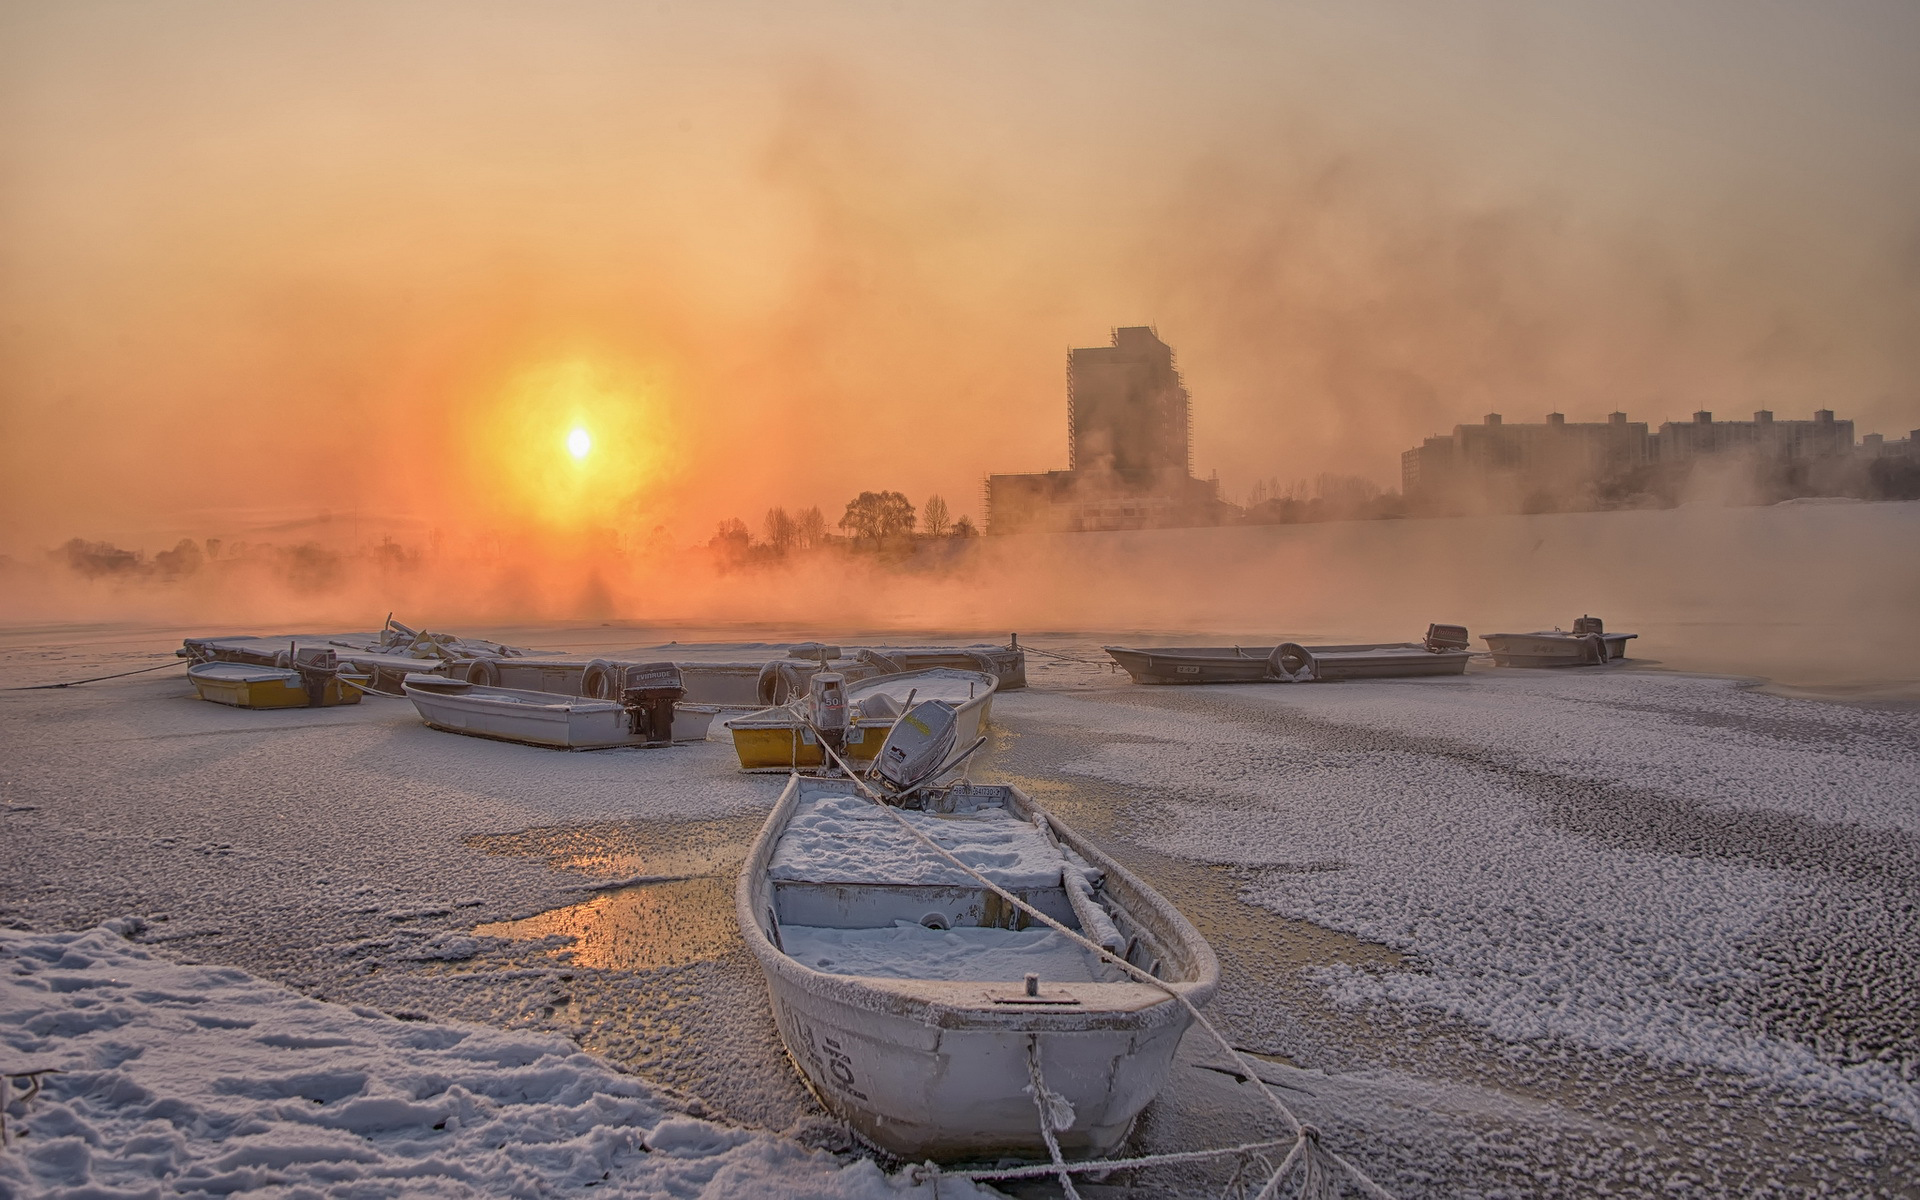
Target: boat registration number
(1187,670)
(830,1058)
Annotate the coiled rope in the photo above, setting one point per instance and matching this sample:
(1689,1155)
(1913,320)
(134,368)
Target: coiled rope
(1306,1150)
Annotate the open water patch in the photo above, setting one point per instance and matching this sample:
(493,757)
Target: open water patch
(678,910)
(640,928)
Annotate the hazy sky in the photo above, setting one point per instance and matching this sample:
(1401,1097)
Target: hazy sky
(261,260)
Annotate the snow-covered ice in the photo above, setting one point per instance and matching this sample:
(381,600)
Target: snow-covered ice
(1483,837)
(1512,933)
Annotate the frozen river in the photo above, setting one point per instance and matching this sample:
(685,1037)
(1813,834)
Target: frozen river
(1512,933)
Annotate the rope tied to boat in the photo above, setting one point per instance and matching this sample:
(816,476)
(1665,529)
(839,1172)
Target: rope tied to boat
(39,687)
(1088,662)
(1306,1139)
(1056,1113)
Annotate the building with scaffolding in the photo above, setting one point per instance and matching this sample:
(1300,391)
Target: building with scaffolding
(1129,450)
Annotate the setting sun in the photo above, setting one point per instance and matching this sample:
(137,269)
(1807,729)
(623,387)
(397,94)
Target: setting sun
(605,438)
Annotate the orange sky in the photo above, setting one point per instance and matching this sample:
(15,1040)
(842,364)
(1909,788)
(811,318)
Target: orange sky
(391,253)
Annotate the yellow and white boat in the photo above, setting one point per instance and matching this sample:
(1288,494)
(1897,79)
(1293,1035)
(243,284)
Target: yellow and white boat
(781,739)
(245,685)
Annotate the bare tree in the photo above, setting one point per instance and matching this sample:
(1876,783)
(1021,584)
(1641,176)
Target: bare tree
(731,539)
(782,532)
(810,530)
(934,518)
(878,515)
(963,528)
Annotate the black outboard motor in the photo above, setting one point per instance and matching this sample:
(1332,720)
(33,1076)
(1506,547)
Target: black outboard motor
(317,668)
(1447,637)
(649,695)
(827,708)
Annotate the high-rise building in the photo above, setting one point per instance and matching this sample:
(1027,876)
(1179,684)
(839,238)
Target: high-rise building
(1129,446)
(1127,411)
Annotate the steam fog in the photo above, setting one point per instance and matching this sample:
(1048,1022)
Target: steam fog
(337,283)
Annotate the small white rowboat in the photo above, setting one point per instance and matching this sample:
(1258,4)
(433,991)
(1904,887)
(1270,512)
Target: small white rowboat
(911,997)
(544,718)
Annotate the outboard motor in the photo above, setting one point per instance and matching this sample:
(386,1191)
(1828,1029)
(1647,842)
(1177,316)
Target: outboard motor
(1447,637)
(827,708)
(920,744)
(1582,626)
(317,667)
(648,696)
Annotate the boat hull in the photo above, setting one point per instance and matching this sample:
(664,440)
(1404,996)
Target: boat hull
(1556,649)
(920,1091)
(539,718)
(266,688)
(786,744)
(940,1069)
(1248,664)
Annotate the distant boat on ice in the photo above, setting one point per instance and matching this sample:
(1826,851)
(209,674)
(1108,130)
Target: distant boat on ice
(1588,645)
(1443,652)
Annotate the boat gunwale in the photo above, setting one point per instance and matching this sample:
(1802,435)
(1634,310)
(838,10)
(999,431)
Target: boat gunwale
(931,1002)
(1242,654)
(461,693)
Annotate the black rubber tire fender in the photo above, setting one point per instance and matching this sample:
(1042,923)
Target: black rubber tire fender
(481,672)
(600,681)
(1292,662)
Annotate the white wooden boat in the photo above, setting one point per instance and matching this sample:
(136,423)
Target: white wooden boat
(545,718)
(909,996)
(779,739)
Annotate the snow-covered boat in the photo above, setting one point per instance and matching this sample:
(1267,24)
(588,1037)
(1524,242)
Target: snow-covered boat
(918,1004)
(647,714)
(315,684)
(1588,644)
(783,739)
(1443,652)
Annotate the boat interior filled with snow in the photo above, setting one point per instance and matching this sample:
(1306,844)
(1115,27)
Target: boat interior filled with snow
(1442,652)
(920,1004)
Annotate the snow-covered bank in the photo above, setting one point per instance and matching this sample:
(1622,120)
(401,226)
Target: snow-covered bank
(205,1080)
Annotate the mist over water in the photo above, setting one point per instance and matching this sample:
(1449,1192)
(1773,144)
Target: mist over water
(1817,594)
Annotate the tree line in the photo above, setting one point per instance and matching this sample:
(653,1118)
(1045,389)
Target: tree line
(871,517)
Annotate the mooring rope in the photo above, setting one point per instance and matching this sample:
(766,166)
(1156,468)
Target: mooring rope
(1091,1165)
(1090,662)
(1049,1103)
(1306,1137)
(37,687)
